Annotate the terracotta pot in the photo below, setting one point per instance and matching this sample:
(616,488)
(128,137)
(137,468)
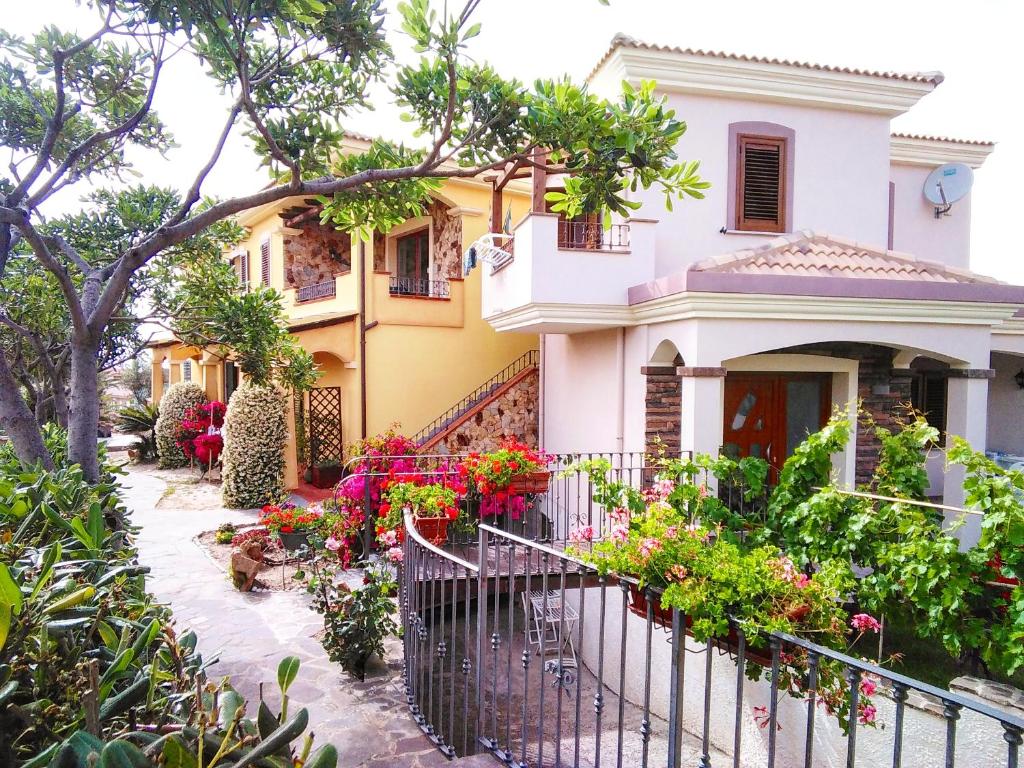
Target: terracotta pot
(433,529)
(662,617)
(326,477)
(533,482)
(295,540)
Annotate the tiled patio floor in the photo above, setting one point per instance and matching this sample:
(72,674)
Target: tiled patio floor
(368,722)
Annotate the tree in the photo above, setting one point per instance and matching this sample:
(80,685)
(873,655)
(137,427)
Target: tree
(71,107)
(137,378)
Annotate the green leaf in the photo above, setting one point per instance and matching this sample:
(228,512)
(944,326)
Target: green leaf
(122,754)
(10,592)
(286,672)
(177,755)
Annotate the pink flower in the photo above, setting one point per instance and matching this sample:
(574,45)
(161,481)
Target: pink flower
(702,491)
(579,535)
(619,534)
(671,532)
(867,714)
(388,538)
(664,487)
(649,546)
(394,554)
(618,516)
(868,687)
(801,581)
(862,622)
(332,544)
(676,573)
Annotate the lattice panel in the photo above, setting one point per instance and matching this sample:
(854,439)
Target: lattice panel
(325,441)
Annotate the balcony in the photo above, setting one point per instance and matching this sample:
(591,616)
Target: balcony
(418,286)
(565,277)
(325,290)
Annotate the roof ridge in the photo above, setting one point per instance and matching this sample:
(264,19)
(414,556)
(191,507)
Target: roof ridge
(947,139)
(621,40)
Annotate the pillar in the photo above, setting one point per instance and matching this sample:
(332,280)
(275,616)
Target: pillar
(662,408)
(703,404)
(966,417)
(156,379)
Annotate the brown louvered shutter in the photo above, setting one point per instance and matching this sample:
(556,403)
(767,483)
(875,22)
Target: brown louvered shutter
(265,262)
(761,186)
(243,270)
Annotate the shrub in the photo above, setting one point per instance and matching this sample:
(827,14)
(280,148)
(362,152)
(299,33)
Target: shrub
(176,401)
(141,420)
(255,431)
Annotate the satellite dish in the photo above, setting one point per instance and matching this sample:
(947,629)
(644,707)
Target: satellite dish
(947,184)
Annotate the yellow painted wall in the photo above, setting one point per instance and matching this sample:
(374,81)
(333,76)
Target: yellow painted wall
(423,354)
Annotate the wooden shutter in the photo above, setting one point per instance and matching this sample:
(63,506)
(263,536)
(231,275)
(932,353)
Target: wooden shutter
(186,370)
(243,270)
(265,262)
(761,185)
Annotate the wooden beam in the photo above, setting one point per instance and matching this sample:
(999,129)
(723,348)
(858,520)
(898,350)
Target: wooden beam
(540,181)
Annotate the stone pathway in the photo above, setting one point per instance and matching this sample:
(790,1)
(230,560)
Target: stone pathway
(250,633)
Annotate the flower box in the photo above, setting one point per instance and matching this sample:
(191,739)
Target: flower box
(326,475)
(433,529)
(662,617)
(533,482)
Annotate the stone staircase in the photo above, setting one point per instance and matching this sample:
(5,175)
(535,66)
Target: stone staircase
(435,433)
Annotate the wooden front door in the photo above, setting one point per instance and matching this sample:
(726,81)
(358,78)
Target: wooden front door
(768,415)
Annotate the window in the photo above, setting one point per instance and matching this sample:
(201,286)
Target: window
(265,262)
(186,370)
(928,395)
(761,167)
(240,263)
(412,264)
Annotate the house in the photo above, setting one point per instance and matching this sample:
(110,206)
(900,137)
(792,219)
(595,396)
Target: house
(395,329)
(814,275)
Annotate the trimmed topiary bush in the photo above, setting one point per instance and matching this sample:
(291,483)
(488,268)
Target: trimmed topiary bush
(176,400)
(255,433)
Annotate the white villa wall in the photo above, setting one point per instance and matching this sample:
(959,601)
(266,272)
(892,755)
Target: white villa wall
(841,177)
(1006,406)
(979,740)
(582,389)
(915,228)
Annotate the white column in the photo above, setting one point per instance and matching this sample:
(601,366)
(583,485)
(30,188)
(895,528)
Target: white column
(967,417)
(703,404)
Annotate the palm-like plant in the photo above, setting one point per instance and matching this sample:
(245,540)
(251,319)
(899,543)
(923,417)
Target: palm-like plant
(141,420)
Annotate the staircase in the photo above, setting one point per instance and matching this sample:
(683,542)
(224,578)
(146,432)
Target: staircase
(490,390)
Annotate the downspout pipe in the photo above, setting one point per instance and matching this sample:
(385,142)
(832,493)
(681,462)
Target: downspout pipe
(362,338)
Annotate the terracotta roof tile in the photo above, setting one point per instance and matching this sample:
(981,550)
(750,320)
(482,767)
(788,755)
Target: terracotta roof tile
(950,140)
(812,254)
(624,41)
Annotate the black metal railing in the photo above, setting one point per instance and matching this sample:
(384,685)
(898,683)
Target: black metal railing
(591,235)
(515,647)
(418,286)
(322,290)
(527,360)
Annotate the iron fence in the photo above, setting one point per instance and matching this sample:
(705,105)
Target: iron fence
(418,286)
(321,290)
(591,235)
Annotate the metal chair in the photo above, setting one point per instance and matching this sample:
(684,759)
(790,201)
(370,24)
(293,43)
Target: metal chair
(550,623)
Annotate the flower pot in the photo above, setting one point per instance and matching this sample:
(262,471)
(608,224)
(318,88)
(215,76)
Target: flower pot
(433,529)
(326,477)
(295,540)
(662,617)
(533,482)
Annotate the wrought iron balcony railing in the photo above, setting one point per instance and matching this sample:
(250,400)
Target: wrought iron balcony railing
(591,235)
(323,290)
(418,286)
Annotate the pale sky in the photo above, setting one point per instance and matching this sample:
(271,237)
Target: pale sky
(974,44)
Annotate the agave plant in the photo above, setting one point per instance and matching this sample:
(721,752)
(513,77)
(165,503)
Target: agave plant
(141,420)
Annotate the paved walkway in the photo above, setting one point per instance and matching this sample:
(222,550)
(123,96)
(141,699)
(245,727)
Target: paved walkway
(251,632)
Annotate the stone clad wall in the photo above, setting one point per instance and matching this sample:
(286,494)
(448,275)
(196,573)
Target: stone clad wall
(514,413)
(663,412)
(316,255)
(447,241)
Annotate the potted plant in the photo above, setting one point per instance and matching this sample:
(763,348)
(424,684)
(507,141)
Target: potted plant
(291,524)
(433,505)
(326,473)
(514,468)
